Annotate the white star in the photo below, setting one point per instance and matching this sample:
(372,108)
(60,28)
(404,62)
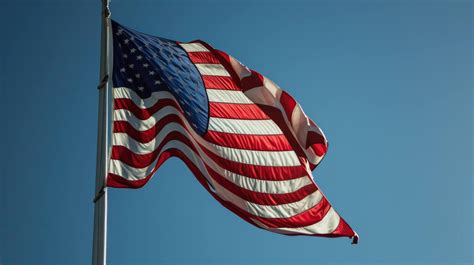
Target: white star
(132,50)
(130,80)
(140,48)
(131,66)
(119,32)
(151,73)
(122,70)
(141,88)
(137,75)
(157,82)
(124,55)
(145,65)
(139,57)
(125,41)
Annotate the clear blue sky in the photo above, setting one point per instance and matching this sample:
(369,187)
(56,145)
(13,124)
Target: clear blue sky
(390,84)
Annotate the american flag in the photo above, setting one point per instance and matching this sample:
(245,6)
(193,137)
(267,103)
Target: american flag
(247,141)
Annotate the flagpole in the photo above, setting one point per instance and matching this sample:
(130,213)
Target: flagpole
(100,200)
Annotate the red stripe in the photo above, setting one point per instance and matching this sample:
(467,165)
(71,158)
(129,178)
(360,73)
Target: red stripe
(259,197)
(223,55)
(130,158)
(288,104)
(252,81)
(319,149)
(202,57)
(249,142)
(306,218)
(236,111)
(148,135)
(117,181)
(143,114)
(219,82)
(315,138)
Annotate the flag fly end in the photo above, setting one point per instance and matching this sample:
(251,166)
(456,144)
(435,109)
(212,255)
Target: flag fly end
(355,239)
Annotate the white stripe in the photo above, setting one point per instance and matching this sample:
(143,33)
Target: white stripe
(128,172)
(241,70)
(263,186)
(326,226)
(143,125)
(259,158)
(313,158)
(252,184)
(271,211)
(237,126)
(193,47)
(212,69)
(123,92)
(300,123)
(227,96)
(266,211)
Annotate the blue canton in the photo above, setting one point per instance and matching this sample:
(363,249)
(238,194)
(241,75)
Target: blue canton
(147,64)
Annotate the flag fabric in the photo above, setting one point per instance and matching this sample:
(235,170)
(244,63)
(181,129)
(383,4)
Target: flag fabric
(247,141)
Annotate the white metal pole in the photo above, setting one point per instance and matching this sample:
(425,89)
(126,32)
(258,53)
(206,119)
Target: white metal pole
(100,200)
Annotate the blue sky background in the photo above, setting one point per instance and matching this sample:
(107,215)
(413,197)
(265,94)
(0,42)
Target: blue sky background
(390,83)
